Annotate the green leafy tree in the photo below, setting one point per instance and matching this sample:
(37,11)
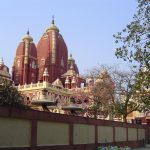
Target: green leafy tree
(143,86)
(134,39)
(134,46)
(9,96)
(127,98)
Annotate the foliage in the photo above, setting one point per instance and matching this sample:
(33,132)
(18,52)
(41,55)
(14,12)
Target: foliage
(143,86)
(134,46)
(81,97)
(9,96)
(134,40)
(101,92)
(115,93)
(128,98)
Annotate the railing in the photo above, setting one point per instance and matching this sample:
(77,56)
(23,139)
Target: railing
(41,85)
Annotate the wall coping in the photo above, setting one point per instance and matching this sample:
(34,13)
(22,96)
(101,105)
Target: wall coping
(10,112)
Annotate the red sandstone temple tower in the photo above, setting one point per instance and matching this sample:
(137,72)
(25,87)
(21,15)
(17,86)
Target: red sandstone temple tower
(24,69)
(52,53)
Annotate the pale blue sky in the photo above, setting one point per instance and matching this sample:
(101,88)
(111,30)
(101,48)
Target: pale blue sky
(86,25)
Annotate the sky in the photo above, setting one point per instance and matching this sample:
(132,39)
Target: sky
(87,27)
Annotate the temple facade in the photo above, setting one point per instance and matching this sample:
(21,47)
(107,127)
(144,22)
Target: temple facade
(45,67)
(50,54)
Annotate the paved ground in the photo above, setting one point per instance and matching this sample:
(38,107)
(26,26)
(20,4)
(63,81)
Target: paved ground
(144,148)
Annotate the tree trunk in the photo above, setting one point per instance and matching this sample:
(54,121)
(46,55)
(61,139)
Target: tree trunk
(95,114)
(110,116)
(125,118)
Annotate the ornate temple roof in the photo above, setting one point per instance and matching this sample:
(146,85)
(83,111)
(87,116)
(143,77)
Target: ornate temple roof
(21,46)
(71,62)
(4,71)
(71,72)
(52,53)
(27,36)
(52,26)
(57,82)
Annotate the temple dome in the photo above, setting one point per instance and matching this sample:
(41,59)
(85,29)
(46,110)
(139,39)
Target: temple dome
(27,37)
(52,27)
(52,53)
(21,46)
(24,68)
(20,49)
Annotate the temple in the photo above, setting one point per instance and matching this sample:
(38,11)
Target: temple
(45,73)
(46,66)
(50,54)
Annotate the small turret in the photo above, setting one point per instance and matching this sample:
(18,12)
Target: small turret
(45,75)
(71,62)
(67,83)
(73,82)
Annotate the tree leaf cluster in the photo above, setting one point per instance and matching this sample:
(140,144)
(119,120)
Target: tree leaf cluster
(10,96)
(134,39)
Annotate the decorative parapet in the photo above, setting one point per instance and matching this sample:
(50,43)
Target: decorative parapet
(38,86)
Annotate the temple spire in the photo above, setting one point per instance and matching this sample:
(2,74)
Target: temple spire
(52,26)
(53,22)
(28,31)
(27,36)
(70,55)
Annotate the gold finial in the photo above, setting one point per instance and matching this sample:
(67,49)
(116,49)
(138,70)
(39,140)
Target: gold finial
(53,20)
(28,31)
(52,26)
(27,36)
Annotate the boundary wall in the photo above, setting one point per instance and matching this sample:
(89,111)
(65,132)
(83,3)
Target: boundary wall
(35,130)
